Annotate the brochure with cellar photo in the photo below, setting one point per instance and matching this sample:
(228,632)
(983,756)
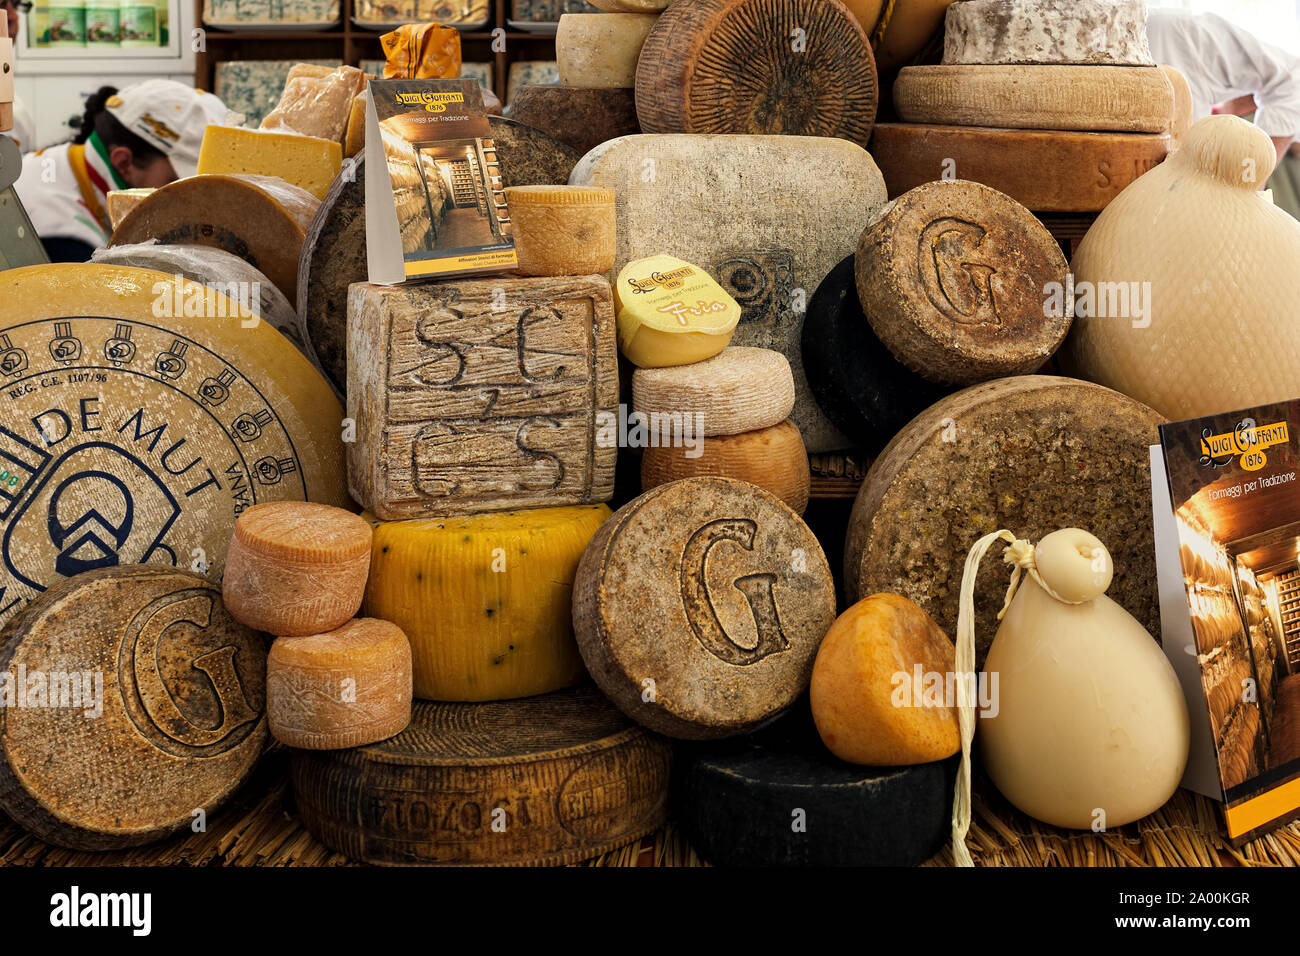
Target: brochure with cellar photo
(435,199)
(1227,530)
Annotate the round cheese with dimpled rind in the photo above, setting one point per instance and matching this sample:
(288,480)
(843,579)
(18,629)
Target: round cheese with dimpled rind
(134,433)
(740,389)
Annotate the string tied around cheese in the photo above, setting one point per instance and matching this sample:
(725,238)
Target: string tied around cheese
(1019,553)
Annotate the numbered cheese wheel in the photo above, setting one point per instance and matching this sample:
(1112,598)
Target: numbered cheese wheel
(699,606)
(547,780)
(135,433)
(150,708)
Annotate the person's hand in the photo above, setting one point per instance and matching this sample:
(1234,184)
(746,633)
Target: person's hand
(1241,106)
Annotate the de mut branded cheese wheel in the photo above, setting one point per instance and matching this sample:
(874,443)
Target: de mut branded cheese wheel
(1085,32)
(485,600)
(136,429)
(738,390)
(151,706)
(297,568)
(562,230)
(344,688)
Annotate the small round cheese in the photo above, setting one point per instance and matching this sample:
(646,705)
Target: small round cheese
(671,312)
(600,50)
(741,389)
(562,230)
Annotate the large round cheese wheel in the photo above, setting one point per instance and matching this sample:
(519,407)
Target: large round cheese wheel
(260,219)
(135,431)
(1033,454)
(800,67)
(1213,266)
(1095,32)
(164,712)
(576,116)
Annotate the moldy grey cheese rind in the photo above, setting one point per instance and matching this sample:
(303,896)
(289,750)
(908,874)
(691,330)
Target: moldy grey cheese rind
(1085,32)
(1035,453)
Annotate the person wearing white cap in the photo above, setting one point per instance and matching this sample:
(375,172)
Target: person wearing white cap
(145,135)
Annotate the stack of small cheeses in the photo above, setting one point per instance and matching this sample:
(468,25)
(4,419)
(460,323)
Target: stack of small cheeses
(1033,85)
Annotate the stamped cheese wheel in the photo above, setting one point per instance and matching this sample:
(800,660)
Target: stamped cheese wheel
(1085,32)
(731,205)
(485,600)
(134,433)
(334,251)
(794,67)
(773,458)
(218,270)
(562,230)
(778,798)
(547,780)
(955,280)
(600,50)
(1032,452)
(260,219)
(863,389)
(1124,99)
(699,606)
(738,390)
(295,567)
(344,688)
(1088,169)
(578,117)
(160,708)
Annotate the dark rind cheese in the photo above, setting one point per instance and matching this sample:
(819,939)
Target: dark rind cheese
(334,252)
(1031,454)
(544,780)
(160,708)
(779,798)
(576,116)
(866,392)
(793,67)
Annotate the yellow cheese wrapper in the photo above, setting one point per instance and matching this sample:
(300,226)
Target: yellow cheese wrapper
(671,312)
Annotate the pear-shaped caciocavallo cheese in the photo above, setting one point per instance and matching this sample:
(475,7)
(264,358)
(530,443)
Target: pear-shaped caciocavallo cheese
(1186,285)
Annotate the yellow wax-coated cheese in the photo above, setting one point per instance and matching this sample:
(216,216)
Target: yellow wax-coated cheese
(485,600)
(671,313)
(562,230)
(308,162)
(345,688)
(122,201)
(295,567)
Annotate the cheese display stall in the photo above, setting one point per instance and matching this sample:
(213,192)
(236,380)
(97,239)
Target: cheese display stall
(787,500)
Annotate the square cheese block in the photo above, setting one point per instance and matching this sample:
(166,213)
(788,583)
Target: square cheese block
(767,216)
(472,396)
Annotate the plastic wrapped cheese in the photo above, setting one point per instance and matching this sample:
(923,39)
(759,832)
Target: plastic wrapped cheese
(317,105)
(671,312)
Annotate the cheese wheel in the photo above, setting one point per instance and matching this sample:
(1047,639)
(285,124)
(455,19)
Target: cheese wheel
(581,118)
(345,688)
(773,458)
(155,428)
(122,201)
(778,798)
(137,701)
(1086,32)
(260,219)
(334,250)
(600,50)
(955,279)
(304,161)
(699,606)
(354,141)
(671,312)
(220,271)
(1031,452)
(485,600)
(739,390)
(548,780)
(1125,99)
(795,67)
(296,568)
(562,230)
(1088,169)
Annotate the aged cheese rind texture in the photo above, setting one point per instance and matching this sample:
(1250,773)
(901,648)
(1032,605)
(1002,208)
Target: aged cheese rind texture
(699,606)
(757,214)
(581,118)
(1031,453)
(1088,170)
(562,230)
(564,777)
(157,708)
(481,395)
(162,427)
(1124,99)
(600,50)
(738,390)
(1085,32)
(795,67)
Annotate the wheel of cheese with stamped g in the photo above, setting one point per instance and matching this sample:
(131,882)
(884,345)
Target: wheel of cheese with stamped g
(139,418)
